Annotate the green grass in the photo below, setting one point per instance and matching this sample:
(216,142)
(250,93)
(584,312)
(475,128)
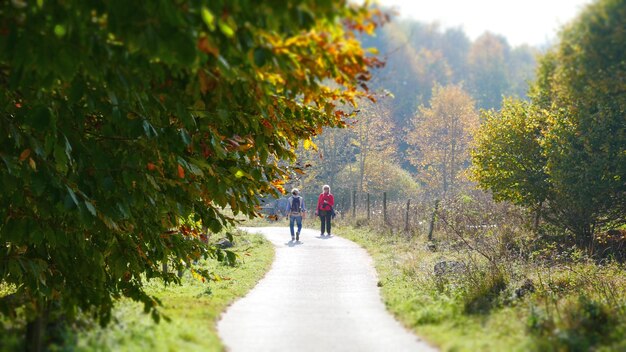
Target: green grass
(193,308)
(575,307)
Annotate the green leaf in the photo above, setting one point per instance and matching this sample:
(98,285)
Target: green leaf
(110,223)
(72,195)
(37,236)
(208,18)
(214,225)
(15,268)
(226,29)
(60,158)
(195,170)
(149,129)
(153,182)
(40,118)
(68,149)
(6,163)
(91,208)
(231,257)
(60,31)
(156,316)
(185,137)
(305,17)
(260,56)
(184,50)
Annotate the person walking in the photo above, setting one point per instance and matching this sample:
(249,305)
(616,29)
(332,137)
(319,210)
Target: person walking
(324,210)
(295,212)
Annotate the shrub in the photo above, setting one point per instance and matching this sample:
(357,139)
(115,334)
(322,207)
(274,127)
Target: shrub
(581,325)
(483,289)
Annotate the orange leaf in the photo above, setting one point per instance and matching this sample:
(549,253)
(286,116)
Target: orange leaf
(181,171)
(25,154)
(204,82)
(206,46)
(151,166)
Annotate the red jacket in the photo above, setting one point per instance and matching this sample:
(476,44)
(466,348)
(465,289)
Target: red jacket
(330,201)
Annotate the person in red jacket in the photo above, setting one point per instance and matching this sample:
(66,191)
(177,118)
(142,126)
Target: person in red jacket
(324,209)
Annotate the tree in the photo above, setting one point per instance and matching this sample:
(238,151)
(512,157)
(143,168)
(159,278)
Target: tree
(507,156)
(412,68)
(440,137)
(371,133)
(120,118)
(568,148)
(520,71)
(374,134)
(382,176)
(586,140)
(488,72)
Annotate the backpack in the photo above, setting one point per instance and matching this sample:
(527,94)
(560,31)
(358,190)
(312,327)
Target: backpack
(295,205)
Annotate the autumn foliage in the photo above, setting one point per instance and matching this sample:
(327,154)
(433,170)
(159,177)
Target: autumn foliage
(120,118)
(564,154)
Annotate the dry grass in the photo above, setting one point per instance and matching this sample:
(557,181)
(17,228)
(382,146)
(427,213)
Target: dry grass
(511,291)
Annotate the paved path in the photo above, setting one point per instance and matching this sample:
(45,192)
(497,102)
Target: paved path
(320,295)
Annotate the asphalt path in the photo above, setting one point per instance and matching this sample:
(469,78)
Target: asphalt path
(321,294)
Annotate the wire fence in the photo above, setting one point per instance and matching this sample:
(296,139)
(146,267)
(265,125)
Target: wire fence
(410,216)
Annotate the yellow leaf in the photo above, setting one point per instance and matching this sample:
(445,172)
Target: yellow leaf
(208,18)
(197,276)
(32,164)
(308,144)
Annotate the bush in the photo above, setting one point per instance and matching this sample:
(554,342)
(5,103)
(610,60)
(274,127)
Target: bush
(581,324)
(482,290)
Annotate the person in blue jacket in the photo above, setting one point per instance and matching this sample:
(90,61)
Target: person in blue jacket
(295,212)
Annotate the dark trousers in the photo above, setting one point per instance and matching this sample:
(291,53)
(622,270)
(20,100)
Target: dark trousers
(325,217)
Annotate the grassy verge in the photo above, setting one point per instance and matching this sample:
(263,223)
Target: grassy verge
(575,306)
(193,308)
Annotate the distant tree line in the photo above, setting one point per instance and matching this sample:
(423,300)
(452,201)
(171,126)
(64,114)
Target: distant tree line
(556,147)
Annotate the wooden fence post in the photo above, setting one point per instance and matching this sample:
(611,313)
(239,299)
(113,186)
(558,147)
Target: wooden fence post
(432,221)
(368,207)
(406,217)
(385,208)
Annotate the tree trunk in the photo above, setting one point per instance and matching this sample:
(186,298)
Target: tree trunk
(368,207)
(432,221)
(537,218)
(406,218)
(35,333)
(385,208)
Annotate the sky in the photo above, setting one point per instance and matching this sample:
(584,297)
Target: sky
(534,22)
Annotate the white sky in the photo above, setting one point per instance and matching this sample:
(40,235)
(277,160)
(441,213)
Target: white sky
(529,21)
